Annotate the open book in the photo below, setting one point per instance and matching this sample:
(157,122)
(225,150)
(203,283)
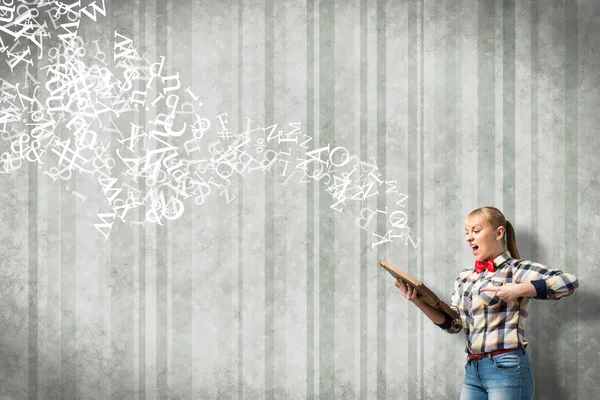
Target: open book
(423,292)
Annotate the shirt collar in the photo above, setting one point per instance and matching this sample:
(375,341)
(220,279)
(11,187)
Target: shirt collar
(501,258)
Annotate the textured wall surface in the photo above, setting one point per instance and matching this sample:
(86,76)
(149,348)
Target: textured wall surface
(274,294)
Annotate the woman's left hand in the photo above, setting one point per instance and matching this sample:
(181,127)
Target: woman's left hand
(506,292)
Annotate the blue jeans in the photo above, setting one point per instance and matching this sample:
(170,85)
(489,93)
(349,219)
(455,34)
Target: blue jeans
(506,376)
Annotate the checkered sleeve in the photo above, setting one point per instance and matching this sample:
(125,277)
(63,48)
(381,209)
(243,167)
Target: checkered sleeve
(549,283)
(453,325)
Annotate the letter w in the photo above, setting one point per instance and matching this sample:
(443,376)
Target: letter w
(126,52)
(105,225)
(94,8)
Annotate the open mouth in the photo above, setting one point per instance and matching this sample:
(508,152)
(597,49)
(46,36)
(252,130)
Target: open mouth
(474,248)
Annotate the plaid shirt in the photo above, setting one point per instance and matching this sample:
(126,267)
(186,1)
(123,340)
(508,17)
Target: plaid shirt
(491,323)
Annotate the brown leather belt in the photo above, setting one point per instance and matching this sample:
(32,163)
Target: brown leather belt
(492,353)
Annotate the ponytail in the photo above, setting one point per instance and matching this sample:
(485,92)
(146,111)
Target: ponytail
(510,240)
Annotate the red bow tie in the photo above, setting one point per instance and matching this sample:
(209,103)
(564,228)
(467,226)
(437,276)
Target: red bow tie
(480,266)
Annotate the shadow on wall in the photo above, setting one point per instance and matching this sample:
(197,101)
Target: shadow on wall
(554,344)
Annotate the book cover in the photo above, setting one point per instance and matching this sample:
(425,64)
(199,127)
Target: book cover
(423,292)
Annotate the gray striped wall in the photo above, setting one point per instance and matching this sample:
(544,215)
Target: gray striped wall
(465,103)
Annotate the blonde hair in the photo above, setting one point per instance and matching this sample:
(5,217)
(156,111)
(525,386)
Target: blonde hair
(496,219)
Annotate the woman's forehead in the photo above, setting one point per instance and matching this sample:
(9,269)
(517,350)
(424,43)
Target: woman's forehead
(473,220)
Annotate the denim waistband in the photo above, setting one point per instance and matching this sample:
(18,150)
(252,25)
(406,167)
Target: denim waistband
(519,351)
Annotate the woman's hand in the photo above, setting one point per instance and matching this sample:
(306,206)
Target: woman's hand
(507,292)
(407,291)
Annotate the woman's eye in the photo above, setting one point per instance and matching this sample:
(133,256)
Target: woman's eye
(475,231)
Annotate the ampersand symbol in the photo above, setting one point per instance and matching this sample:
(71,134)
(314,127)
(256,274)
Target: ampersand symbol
(9,162)
(34,147)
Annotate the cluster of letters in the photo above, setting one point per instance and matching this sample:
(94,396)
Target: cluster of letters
(81,122)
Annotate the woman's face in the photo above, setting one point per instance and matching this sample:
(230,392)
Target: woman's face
(485,242)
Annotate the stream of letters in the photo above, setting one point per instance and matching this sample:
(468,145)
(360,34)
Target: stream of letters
(73,112)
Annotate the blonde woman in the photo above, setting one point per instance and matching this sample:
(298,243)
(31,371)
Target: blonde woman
(492,301)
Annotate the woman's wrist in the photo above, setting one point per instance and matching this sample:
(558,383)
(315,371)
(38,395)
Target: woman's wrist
(527,289)
(417,301)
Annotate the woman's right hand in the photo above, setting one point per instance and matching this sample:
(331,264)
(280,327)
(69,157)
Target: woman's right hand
(407,291)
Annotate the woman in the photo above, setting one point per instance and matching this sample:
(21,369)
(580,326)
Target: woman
(492,301)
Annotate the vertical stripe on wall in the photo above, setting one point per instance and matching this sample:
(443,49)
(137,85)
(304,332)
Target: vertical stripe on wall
(280,207)
(449,192)
(486,87)
(420,182)
(534,318)
(382,276)
(551,175)
(571,186)
(347,278)
(460,111)
(47,369)
(327,263)
(32,245)
(363,234)
(347,296)
(168,246)
(162,317)
(122,253)
(310,202)
(147,354)
(240,196)
(64,318)
(182,260)
(452,198)
(54,377)
(269,207)
(68,280)
(412,179)
(535,64)
(14,264)
(141,230)
(508,77)
(226,267)
(440,171)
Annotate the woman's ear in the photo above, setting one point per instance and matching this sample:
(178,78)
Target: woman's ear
(500,233)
